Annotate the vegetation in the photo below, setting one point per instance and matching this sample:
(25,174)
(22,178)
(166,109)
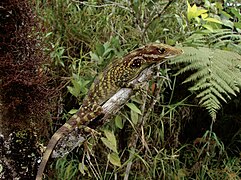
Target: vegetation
(217,74)
(86,35)
(187,124)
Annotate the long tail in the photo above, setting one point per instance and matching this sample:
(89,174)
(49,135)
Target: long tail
(66,128)
(83,116)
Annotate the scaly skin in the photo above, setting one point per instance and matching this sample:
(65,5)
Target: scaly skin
(116,75)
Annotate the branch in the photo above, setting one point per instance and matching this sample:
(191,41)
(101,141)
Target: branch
(114,104)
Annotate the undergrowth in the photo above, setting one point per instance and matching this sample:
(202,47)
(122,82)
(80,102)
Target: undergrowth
(164,133)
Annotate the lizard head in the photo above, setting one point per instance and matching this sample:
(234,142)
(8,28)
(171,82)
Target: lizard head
(136,61)
(160,51)
(152,53)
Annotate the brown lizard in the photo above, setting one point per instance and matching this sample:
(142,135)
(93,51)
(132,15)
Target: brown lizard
(115,76)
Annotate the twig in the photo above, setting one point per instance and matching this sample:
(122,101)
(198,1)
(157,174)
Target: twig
(128,167)
(134,139)
(155,17)
(141,125)
(103,5)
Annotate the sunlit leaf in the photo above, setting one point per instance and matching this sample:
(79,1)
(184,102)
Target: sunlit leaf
(200,12)
(193,11)
(205,15)
(73,111)
(213,20)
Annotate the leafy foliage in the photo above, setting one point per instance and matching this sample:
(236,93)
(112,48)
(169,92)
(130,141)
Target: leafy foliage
(217,75)
(220,32)
(194,13)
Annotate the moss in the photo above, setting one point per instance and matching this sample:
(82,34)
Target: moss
(24,86)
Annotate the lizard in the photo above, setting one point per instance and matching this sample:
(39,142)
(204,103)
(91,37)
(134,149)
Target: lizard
(115,76)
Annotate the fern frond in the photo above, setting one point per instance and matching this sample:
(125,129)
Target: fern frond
(219,38)
(217,75)
(201,73)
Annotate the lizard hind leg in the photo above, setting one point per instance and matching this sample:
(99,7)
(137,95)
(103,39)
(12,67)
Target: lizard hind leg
(88,113)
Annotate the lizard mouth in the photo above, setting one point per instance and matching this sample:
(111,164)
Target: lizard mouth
(174,53)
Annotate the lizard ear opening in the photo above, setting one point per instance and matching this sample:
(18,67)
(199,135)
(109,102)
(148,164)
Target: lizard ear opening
(136,63)
(161,50)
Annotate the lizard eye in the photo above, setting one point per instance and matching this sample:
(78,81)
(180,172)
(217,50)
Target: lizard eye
(136,63)
(161,50)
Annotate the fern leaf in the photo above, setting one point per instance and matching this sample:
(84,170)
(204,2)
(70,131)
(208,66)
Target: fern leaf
(219,38)
(197,75)
(216,77)
(225,83)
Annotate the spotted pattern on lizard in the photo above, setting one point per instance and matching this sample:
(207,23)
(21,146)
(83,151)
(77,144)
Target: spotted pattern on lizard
(115,76)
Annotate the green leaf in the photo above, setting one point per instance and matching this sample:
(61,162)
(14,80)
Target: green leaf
(227,23)
(110,140)
(73,111)
(94,57)
(193,12)
(118,122)
(219,5)
(73,91)
(114,159)
(79,86)
(109,144)
(237,25)
(107,52)
(205,15)
(236,13)
(200,12)
(134,117)
(228,16)
(134,108)
(213,20)
(208,27)
(82,168)
(100,49)
(110,136)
